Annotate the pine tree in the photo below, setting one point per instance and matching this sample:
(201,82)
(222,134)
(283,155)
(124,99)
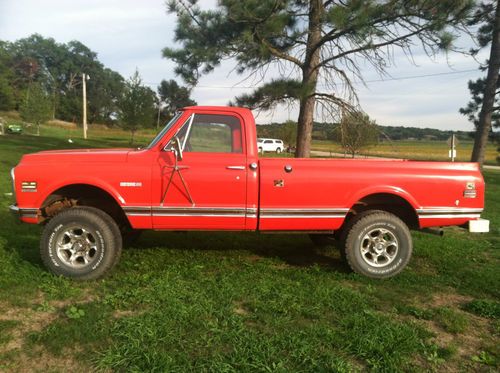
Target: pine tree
(317,46)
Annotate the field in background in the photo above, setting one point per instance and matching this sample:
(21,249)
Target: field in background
(245,302)
(418,150)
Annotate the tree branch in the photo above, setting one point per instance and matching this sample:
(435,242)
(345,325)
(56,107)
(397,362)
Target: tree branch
(368,46)
(276,52)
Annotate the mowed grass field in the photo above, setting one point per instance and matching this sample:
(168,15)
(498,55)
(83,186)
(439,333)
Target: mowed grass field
(417,150)
(227,302)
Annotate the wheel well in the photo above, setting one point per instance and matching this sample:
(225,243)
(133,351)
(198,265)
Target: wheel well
(82,195)
(387,202)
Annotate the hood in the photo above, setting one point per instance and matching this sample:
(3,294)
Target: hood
(78,155)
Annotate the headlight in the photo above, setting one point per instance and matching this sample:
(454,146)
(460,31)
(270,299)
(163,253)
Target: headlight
(13,177)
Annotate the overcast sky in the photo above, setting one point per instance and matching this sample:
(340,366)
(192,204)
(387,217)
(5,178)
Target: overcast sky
(130,34)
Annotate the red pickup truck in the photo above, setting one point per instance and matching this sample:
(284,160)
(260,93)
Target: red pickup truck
(203,172)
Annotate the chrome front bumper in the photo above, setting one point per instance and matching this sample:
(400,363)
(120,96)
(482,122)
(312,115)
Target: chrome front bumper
(23,212)
(15,211)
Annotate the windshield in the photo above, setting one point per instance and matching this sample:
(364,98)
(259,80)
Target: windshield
(164,130)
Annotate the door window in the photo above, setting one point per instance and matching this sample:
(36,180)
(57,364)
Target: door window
(207,133)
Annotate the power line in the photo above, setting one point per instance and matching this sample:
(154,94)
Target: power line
(323,85)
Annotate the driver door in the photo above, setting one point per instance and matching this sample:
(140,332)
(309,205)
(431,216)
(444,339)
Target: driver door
(206,189)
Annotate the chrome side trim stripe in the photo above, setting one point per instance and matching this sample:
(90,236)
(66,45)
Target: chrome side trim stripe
(294,213)
(449,216)
(338,213)
(448,210)
(302,216)
(449,213)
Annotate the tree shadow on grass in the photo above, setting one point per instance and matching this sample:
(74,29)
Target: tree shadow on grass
(294,250)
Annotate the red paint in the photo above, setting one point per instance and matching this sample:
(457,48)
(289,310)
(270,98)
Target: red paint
(315,195)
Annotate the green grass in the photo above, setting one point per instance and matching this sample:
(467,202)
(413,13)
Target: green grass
(246,302)
(417,150)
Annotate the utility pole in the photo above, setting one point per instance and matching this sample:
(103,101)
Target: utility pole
(84,87)
(158,119)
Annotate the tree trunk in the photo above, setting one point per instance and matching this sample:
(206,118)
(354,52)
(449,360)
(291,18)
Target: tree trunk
(310,72)
(483,128)
(305,127)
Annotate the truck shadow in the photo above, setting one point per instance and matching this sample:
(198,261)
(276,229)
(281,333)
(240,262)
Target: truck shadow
(294,250)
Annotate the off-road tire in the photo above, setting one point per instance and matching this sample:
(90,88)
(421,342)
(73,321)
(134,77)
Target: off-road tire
(374,235)
(98,225)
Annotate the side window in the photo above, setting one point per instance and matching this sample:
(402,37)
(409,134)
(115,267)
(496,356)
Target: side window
(268,142)
(206,133)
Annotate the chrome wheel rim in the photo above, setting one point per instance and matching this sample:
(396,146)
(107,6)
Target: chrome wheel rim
(379,247)
(77,247)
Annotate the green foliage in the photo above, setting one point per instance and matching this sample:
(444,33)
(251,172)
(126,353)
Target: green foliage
(74,313)
(484,308)
(484,358)
(59,67)
(36,107)
(6,94)
(476,89)
(7,99)
(288,132)
(267,96)
(136,105)
(451,320)
(356,131)
(174,97)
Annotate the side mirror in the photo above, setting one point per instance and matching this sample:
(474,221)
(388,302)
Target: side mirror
(177,148)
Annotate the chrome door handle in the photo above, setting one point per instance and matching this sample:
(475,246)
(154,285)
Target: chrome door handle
(235,167)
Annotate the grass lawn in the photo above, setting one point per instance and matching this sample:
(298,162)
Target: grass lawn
(423,150)
(246,302)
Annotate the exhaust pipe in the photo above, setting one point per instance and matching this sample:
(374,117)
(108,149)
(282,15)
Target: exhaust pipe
(435,231)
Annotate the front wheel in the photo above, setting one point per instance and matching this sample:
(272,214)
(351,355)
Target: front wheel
(378,245)
(82,243)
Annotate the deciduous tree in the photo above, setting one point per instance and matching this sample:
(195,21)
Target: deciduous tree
(356,131)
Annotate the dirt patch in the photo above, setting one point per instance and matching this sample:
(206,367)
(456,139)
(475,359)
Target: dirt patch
(39,361)
(240,309)
(28,321)
(450,299)
(31,320)
(464,344)
(117,314)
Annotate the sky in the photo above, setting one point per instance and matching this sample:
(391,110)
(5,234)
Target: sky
(130,34)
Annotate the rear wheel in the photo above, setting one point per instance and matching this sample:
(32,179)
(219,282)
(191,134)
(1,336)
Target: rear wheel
(83,243)
(378,245)
(278,150)
(261,150)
